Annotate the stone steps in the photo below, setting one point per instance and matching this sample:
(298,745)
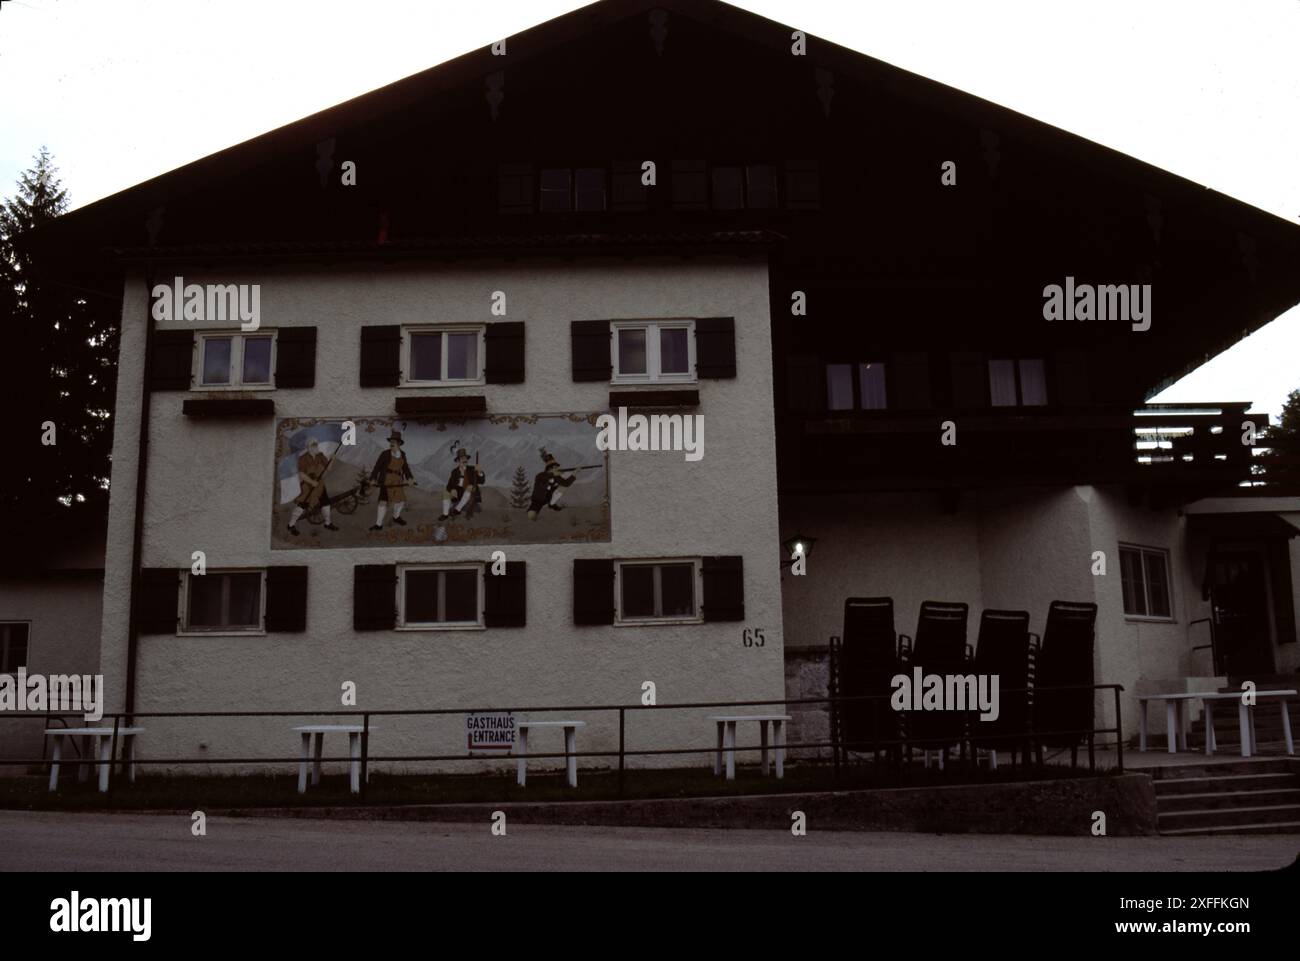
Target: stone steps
(1241,797)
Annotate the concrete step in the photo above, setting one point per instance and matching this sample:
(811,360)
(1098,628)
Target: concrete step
(1227,800)
(1227,768)
(1277,827)
(1228,817)
(1224,784)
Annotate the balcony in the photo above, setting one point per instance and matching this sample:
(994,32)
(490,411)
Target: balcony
(1191,448)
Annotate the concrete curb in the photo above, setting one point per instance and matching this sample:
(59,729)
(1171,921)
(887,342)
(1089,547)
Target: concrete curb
(1058,807)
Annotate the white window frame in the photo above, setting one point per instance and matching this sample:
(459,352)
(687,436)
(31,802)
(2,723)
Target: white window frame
(236,338)
(1146,586)
(696,581)
(225,631)
(4,642)
(444,329)
(476,625)
(653,375)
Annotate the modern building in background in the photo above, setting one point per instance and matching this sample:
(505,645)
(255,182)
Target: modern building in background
(679,209)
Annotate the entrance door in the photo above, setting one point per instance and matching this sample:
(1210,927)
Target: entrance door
(1242,613)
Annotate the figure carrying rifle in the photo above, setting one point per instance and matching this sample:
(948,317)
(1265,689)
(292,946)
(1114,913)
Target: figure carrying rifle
(392,473)
(549,485)
(312,466)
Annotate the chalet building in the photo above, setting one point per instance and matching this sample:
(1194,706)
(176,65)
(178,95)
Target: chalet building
(676,208)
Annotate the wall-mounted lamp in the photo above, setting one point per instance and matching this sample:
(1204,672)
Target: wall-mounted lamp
(799,545)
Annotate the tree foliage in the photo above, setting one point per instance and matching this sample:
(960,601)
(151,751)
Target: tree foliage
(58,363)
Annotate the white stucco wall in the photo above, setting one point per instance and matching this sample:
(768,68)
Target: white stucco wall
(1017,549)
(64,612)
(210,489)
(876,545)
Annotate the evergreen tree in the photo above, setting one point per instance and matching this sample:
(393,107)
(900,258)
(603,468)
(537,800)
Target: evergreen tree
(520,491)
(59,364)
(1279,464)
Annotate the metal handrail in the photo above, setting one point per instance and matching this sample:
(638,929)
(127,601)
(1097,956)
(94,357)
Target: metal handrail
(622,753)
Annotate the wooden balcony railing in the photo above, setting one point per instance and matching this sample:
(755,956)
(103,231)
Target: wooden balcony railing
(1175,445)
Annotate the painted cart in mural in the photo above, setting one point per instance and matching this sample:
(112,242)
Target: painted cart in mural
(385,481)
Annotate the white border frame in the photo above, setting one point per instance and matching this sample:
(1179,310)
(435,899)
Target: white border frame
(405,361)
(477,625)
(653,375)
(697,565)
(236,359)
(184,629)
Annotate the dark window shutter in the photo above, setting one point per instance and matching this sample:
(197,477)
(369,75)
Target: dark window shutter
(627,191)
(1279,565)
(591,349)
(1071,378)
(724,588)
(715,347)
(381,355)
(173,360)
(802,185)
(909,381)
(805,384)
(505,596)
(286,598)
(690,185)
(374,597)
(505,353)
(158,611)
(593,592)
(970,380)
(515,189)
(295,357)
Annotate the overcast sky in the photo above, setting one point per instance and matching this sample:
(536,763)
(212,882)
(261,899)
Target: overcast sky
(122,91)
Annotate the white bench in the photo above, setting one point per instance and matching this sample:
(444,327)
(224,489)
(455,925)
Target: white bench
(102,738)
(570,748)
(353,731)
(1176,724)
(727,740)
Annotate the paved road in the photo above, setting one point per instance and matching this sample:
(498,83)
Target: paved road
(102,842)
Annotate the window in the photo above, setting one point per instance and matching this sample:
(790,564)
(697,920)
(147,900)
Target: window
(589,189)
(1144,574)
(236,360)
(564,190)
(1017,382)
(656,351)
(856,386)
(13,645)
(224,602)
(657,591)
(736,187)
(442,355)
(555,191)
(440,597)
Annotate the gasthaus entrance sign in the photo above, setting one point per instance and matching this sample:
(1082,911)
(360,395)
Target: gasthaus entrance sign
(490,731)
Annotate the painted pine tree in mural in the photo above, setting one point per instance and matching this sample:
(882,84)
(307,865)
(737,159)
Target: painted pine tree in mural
(519,489)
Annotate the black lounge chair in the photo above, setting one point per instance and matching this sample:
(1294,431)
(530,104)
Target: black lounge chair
(864,663)
(940,648)
(1006,648)
(1066,661)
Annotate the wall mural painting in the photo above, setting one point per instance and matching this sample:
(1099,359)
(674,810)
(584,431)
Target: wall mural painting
(504,479)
